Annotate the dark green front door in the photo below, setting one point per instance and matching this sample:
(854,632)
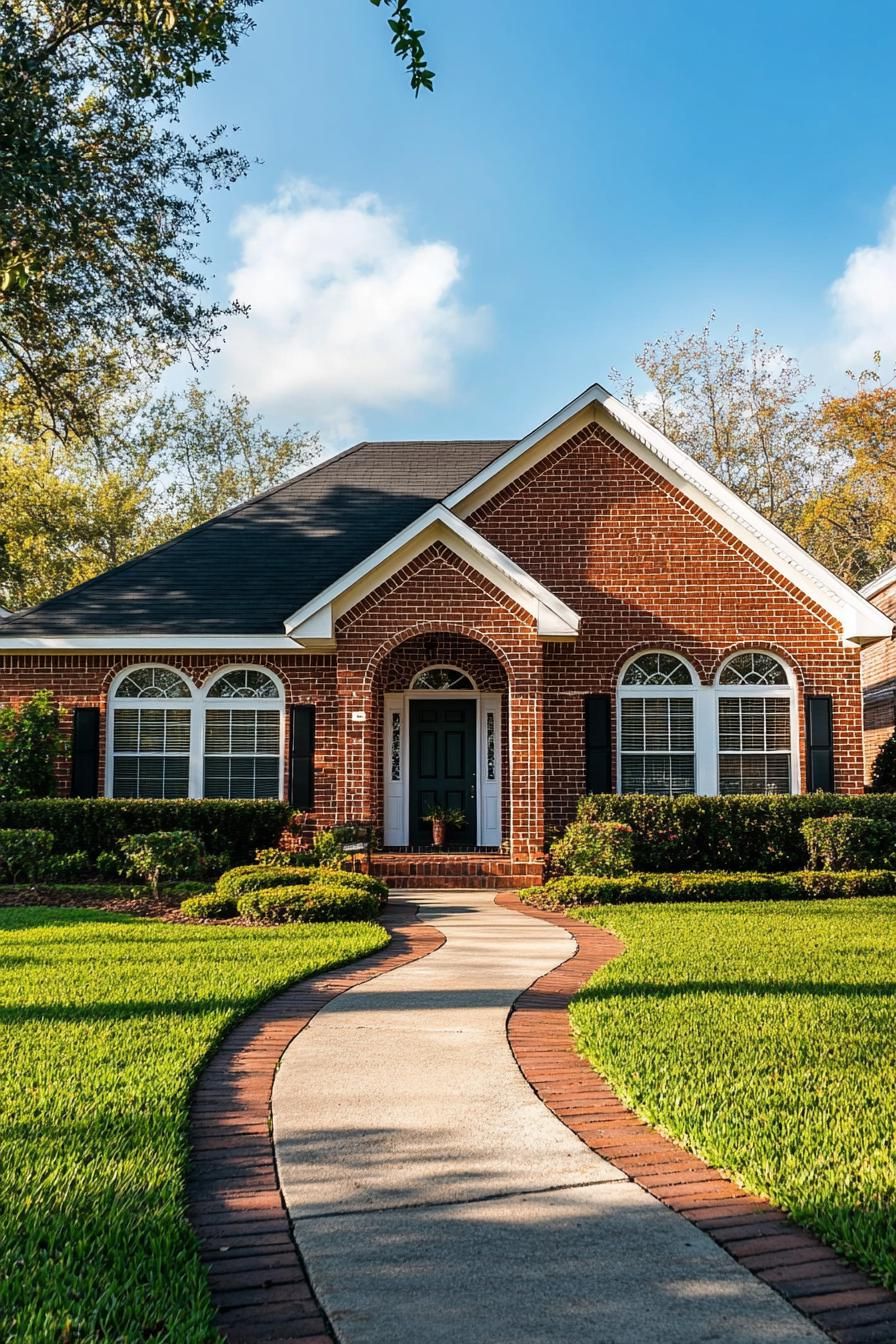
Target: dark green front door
(443,767)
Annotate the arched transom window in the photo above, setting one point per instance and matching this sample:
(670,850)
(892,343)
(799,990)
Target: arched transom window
(442,679)
(242,751)
(756,707)
(151,742)
(168,740)
(656,725)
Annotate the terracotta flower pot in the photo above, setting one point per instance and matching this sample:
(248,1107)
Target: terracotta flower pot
(438,833)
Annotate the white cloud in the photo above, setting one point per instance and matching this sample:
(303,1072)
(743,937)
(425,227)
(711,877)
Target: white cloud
(347,312)
(864,298)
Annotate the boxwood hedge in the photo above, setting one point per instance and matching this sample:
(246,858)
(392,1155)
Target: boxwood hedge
(237,882)
(748,833)
(309,903)
(562,892)
(95,825)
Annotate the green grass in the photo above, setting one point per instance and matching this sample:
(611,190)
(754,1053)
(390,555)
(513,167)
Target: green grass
(105,1022)
(762,1036)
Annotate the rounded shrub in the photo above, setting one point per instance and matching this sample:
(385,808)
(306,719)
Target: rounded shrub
(597,848)
(312,903)
(239,881)
(209,906)
(845,843)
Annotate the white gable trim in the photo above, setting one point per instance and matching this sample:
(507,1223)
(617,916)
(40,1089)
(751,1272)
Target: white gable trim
(875,586)
(860,621)
(139,643)
(314,625)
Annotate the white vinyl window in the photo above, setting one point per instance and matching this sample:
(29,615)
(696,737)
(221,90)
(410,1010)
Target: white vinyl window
(151,713)
(756,711)
(656,725)
(242,752)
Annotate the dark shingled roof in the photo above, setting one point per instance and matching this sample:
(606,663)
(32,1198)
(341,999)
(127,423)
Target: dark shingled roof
(245,571)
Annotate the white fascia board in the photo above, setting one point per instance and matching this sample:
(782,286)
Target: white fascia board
(860,621)
(314,623)
(875,586)
(141,643)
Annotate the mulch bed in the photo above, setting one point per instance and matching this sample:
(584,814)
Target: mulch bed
(158,907)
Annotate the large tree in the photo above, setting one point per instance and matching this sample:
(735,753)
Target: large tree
(740,407)
(71,508)
(102,198)
(851,524)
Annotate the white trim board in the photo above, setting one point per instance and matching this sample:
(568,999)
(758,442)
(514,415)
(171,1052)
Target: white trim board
(140,643)
(877,585)
(314,625)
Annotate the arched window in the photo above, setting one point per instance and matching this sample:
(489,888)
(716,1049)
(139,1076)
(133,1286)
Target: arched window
(442,679)
(242,751)
(150,743)
(756,707)
(656,725)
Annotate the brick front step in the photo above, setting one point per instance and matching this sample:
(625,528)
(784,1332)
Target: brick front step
(426,871)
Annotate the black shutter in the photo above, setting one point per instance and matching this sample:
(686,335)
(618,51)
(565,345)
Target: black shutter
(85,752)
(598,774)
(301,758)
(820,743)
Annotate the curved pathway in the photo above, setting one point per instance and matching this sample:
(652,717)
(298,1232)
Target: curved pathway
(434,1197)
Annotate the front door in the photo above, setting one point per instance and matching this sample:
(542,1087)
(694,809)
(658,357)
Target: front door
(442,768)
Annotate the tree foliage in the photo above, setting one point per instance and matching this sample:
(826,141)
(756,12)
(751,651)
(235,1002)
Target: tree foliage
(739,407)
(71,508)
(102,198)
(30,744)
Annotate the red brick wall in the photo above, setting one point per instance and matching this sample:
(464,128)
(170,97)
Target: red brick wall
(879,682)
(643,566)
(82,679)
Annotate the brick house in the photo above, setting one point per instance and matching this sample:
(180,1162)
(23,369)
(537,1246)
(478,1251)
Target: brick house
(490,626)
(879,671)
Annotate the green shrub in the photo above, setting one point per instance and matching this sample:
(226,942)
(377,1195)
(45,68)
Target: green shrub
(595,847)
(563,892)
(110,865)
(845,843)
(209,906)
(67,867)
(327,849)
(30,744)
(285,858)
(25,855)
(96,825)
(742,833)
(312,903)
(163,856)
(254,878)
(883,771)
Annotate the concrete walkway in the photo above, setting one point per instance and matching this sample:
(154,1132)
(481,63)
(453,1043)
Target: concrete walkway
(436,1200)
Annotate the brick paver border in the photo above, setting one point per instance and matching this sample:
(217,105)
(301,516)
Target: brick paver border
(258,1280)
(810,1275)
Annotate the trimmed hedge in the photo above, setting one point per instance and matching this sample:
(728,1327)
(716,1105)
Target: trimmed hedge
(603,847)
(209,906)
(562,892)
(745,833)
(96,825)
(239,881)
(313,903)
(25,855)
(845,843)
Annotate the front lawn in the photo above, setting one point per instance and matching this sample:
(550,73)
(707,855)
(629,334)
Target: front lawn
(106,1022)
(762,1036)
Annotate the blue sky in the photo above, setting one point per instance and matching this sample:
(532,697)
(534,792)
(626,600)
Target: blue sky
(586,176)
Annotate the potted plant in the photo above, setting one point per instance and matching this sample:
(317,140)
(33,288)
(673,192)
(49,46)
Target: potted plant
(442,818)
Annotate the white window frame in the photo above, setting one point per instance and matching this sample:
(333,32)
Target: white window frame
(197,704)
(746,691)
(666,691)
(114,702)
(234,702)
(396,803)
